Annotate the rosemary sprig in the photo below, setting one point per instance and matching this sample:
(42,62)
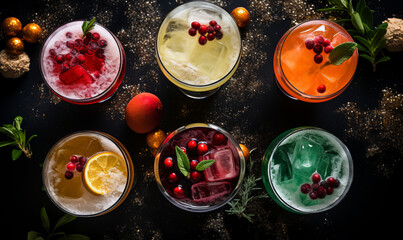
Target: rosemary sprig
(17,138)
(370,39)
(245,195)
(88,26)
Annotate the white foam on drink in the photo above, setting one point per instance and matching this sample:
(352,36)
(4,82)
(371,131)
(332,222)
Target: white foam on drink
(81,91)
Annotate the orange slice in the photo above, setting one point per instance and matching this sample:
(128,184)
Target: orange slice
(103,171)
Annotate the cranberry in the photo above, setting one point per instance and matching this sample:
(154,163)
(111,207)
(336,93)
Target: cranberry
(52,52)
(78,42)
(74,51)
(96,74)
(321,192)
(305,188)
(88,35)
(326,42)
(69,35)
(318,58)
(313,195)
(168,162)
(95,36)
(323,183)
(103,43)
(330,181)
(82,160)
(192,145)
(183,150)
(80,167)
(321,88)
(329,190)
(317,49)
(336,183)
(83,49)
(192,32)
(210,29)
(172,177)
(68,56)
(217,28)
(100,54)
(218,35)
(196,176)
(59,59)
(210,37)
(219,138)
(70,166)
(315,187)
(179,192)
(74,159)
(309,43)
(90,52)
(315,177)
(193,164)
(65,66)
(86,40)
(202,40)
(81,58)
(70,44)
(68,175)
(203,30)
(94,46)
(212,23)
(202,148)
(328,48)
(318,40)
(195,25)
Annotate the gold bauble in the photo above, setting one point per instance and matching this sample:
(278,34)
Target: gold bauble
(155,138)
(14,46)
(241,16)
(245,151)
(11,27)
(32,33)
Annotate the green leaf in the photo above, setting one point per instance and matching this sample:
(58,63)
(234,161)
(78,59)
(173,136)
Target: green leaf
(183,161)
(204,164)
(32,235)
(16,153)
(7,143)
(357,22)
(331,9)
(353,32)
(379,35)
(64,220)
(342,52)
(360,6)
(87,26)
(9,130)
(383,59)
(341,3)
(31,137)
(17,122)
(367,17)
(379,46)
(363,41)
(361,48)
(369,32)
(45,219)
(369,58)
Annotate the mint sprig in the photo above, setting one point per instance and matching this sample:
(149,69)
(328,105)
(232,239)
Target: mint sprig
(88,26)
(17,138)
(370,39)
(184,163)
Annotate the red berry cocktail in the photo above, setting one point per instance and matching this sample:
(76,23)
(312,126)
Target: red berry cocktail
(199,167)
(83,68)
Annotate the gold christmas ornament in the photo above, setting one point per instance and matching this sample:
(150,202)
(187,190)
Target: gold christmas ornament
(155,138)
(14,46)
(11,27)
(32,33)
(241,16)
(245,151)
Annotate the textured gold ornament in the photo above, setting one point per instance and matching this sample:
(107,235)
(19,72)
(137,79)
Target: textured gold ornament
(32,33)
(155,138)
(241,16)
(11,27)
(14,46)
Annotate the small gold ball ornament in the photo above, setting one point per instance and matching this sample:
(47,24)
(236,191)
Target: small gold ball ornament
(32,33)
(245,151)
(14,46)
(11,27)
(241,16)
(155,138)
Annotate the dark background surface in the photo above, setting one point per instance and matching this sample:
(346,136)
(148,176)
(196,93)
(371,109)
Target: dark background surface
(250,106)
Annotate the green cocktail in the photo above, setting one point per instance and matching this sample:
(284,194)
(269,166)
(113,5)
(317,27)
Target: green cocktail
(307,170)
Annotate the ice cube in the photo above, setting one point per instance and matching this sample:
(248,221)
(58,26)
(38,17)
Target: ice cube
(282,159)
(176,24)
(210,192)
(76,74)
(306,157)
(203,16)
(224,166)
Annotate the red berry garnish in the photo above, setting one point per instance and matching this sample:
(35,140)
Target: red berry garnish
(202,148)
(336,183)
(202,40)
(68,57)
(203,30)
(172,177)
(68,175)
(318,58)
(94,46)
(212,23)
(210,37)
(314,187)
(326,42)
(52,52)
(59,59)
(196,176)
(65,66)
(193,164)
(315,178)
(74,159)
(79,167)
(219,138)
(329,190)
(305,188)
(103,43)
(218,35)
(183,150)
(318,40)
(317,49)
(217,28)
(70,44)
(82,49)
(88,35)
(90,52)
(78,42)
(81,58)
(70,166)
(323,183)
(195,25)
(328,48)
(96,74)
(82,160)
(321,88)
(309,43)
(95,36)
(168,162)
(330,181)
(313,195)
(210,29)
(179,192)
(192,145)
(69,35)
(87,40)
(321,192)
(192,32)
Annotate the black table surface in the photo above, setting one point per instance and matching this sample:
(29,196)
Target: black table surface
(367,117)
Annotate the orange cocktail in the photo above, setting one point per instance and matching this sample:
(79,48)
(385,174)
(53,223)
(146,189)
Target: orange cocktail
(300,61)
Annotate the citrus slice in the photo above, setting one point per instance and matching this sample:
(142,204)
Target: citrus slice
(104,171)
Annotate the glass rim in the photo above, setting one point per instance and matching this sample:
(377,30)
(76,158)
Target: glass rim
(345,190)
(218,81)
(98,96)
(292,87)
(188,206)
(126,157)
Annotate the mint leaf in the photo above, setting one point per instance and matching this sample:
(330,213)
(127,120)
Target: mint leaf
(88,26)
(204,164)
(342,52)
(183,161)
(16,153)
(64,220)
